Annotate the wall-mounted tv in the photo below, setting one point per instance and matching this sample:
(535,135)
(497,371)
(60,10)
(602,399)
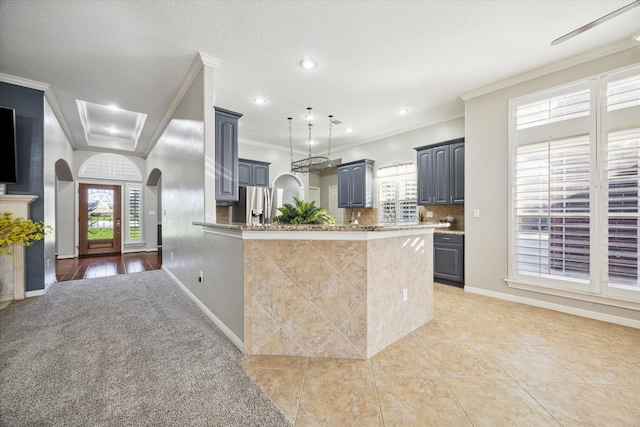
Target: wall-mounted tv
(8,153)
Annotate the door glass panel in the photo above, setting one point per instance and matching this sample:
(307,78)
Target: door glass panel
(100,214)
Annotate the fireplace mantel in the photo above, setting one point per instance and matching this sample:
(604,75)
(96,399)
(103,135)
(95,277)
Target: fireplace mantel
(12,268)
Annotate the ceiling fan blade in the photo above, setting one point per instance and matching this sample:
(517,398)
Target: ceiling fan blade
(596,22)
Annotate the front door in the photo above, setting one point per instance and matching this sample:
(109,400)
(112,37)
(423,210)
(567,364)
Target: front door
(99,219)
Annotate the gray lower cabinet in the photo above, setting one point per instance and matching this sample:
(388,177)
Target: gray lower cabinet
(253,173)
(226,155)
(448,258)
(441,173)
(355,184)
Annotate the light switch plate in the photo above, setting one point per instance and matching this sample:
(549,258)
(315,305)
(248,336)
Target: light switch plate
(476,213)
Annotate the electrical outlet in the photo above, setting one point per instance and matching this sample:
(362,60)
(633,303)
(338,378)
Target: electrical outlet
(201,277)
(429,214)
(404,294)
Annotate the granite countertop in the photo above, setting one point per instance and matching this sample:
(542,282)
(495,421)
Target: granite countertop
(445,231)
(312,227)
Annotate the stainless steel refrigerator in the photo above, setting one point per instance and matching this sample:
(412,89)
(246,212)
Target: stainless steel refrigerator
(255,206)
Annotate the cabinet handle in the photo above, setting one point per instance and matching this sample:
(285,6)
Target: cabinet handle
(445,238)
(451,199)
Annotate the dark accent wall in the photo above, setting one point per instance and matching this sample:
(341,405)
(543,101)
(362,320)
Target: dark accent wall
(29,106)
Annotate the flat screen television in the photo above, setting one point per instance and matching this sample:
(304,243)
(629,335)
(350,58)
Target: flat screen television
(8,153)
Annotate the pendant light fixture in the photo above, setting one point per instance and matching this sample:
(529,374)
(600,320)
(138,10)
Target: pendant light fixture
(311,163)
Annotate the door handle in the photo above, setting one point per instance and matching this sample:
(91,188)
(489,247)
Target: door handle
(118,222)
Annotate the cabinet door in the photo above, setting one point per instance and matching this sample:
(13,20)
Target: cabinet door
(448,262)
(260,175)
(244,174)
(344,187)
(358,184)
(226,157)
(425,172)
(441,175)
(457,173)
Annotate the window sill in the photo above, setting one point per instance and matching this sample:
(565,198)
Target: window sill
(581,296)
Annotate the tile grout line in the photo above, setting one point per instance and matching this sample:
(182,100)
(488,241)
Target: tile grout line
(424,347)
(304,380)
(375,387)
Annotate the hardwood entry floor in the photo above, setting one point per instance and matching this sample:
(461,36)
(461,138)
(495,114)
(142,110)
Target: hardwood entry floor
(107,265)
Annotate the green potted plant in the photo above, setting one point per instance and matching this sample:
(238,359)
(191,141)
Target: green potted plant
(19,231)
(303,213)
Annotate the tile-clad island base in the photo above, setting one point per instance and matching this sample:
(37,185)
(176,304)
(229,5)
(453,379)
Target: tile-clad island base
(332,291)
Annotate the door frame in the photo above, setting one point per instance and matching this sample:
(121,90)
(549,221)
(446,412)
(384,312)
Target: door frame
(77,210)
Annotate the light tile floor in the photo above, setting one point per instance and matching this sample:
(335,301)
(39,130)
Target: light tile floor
(480,362)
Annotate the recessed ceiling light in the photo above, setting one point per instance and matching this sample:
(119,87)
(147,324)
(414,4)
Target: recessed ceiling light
(313,142)
(113,130)
(259,101)
(308,64)
(309,116)
(113,107)
(348,130)
(402,111)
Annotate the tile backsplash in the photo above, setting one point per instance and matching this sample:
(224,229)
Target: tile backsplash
(368,216)
(441,211)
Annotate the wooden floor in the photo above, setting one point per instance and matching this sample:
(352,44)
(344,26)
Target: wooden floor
(108,265)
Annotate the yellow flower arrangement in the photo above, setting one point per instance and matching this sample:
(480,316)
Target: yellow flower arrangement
(20,231)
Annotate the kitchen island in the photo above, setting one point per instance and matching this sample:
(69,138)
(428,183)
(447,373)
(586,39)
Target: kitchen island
(331,291)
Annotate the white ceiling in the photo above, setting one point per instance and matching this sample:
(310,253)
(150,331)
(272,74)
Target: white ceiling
(374,57)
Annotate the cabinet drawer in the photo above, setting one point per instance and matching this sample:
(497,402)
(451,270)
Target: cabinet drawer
(455,239)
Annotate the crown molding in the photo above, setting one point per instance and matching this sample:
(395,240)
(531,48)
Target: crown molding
(425,123)
(551,68)
(200,60)
(49,96)
(57,111)
(210,61)
(19,81)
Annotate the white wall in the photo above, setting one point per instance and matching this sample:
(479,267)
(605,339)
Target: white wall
(180,155)
(486,184)
(56,146)
(400,148)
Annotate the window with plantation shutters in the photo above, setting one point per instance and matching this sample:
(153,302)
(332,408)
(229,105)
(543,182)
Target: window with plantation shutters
(575,177)
(398,194)
(553,208)
(134,213)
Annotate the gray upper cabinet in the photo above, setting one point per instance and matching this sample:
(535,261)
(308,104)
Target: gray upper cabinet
(226,155)
(441,173)
(253,172)
(355,184)
(457,174)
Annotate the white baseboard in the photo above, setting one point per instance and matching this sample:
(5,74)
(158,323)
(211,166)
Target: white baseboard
(151,250)
(37,293)
(225,330)
(7,297)
(556,307)
(65,256)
